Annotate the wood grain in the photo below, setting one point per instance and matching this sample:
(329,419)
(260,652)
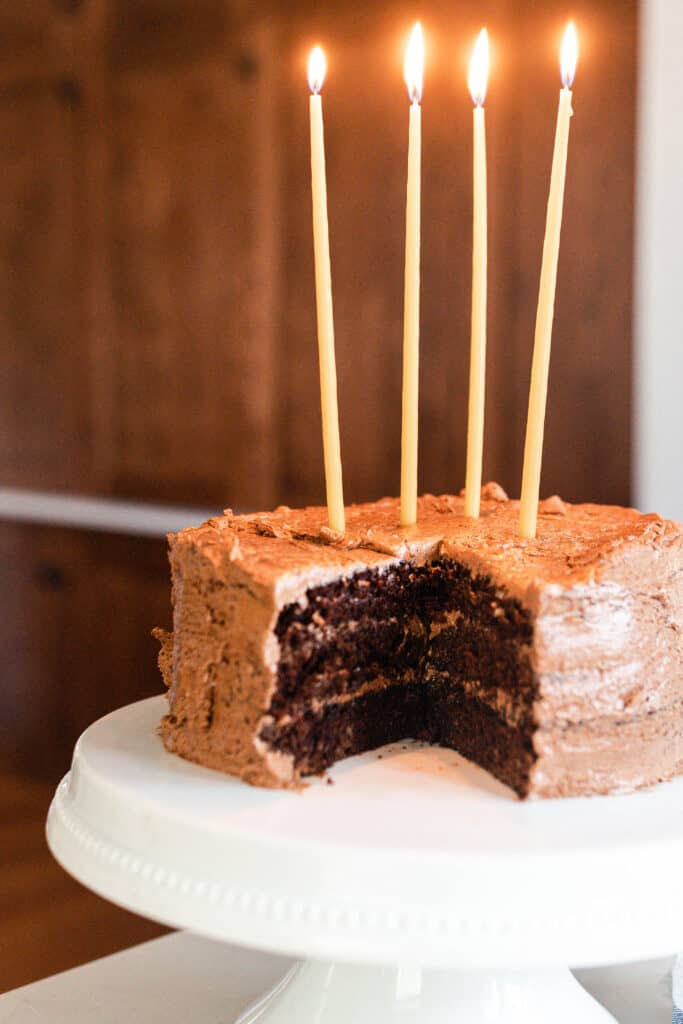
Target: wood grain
(191,267)
(75,640)
(587,449)
(157,334)
(50,923)
(40,383)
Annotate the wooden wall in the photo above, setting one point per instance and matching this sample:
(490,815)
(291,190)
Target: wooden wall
(75,636)
(157,333)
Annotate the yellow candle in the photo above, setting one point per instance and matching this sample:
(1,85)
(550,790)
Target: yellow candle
(533,447)
(323,298)
(478,80)
(414,68)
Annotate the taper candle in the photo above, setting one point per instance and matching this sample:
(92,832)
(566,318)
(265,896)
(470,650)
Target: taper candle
(414,72)
(533,447)
(477,81)
(317,66)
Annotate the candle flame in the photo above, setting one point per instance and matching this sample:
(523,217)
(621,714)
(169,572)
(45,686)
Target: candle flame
(569,55)
(317,66)
(413,66)
(478,76)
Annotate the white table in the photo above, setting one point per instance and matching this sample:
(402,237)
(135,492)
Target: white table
(181,978)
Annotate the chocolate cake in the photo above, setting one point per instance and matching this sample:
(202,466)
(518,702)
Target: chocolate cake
(554,663)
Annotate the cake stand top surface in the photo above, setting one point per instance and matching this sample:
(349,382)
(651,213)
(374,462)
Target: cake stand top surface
(412,854)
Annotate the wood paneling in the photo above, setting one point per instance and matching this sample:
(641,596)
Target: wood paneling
(157,330)
(40,383)
(157,334)
(173,228)
(30,44)
(50,923)
(75,639)
(193,261)
(587,450)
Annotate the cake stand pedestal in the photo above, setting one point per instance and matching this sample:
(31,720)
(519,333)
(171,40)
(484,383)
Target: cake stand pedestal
(413,889)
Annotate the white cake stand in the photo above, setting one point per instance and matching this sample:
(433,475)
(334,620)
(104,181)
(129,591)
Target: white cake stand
(413,889)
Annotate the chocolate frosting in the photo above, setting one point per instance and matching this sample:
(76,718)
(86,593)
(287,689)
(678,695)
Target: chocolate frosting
(603,586)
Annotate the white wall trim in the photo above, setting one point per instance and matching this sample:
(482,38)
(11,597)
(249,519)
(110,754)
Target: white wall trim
(101,514)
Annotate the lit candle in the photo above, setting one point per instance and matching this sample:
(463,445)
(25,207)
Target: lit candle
(414,72)
(533,447)
(317,66)
(477,81)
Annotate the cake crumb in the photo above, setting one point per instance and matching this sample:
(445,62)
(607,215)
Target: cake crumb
(492,491)
(330,535)
(553,506)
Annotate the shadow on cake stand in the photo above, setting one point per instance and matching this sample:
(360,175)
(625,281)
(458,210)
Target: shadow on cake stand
(415,888)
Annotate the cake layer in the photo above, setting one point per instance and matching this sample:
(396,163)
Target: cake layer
(526,655)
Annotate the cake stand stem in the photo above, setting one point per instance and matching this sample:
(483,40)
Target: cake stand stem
(314,992)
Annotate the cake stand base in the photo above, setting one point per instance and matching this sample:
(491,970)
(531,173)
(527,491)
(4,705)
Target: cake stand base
(333,993)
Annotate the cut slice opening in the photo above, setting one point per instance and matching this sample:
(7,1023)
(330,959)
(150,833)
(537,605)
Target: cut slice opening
(427,652)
